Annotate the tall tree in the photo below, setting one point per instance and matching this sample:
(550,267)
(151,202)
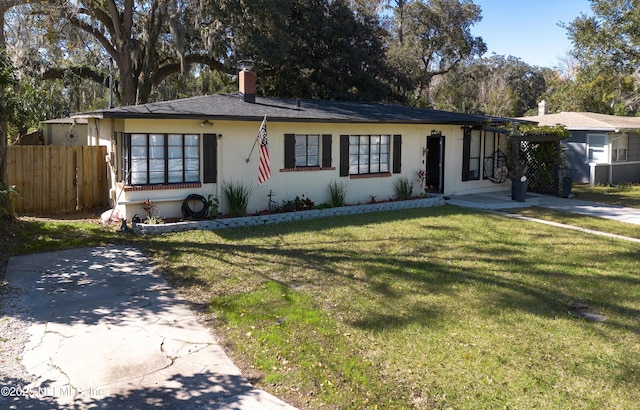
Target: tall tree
(497,85)
(148,40)
(436,39)
(5,71)
(607,46)
(610,36)
(311,48)
(594,89)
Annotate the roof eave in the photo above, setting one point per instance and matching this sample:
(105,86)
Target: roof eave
(154,116)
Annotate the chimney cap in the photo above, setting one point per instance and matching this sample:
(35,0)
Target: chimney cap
(245,65)
(542,108)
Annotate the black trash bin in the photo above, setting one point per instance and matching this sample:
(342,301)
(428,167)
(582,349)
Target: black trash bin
(519,189)
(567,181)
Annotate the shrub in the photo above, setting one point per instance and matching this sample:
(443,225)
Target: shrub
(6,202)
(337,193)
(213,204)
(403,188)
(150,208)
(237,197)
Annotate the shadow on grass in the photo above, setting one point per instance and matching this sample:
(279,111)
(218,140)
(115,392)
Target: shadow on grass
(627,195)
(27,236)
(503,272)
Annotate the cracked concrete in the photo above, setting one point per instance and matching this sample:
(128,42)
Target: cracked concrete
(107,330)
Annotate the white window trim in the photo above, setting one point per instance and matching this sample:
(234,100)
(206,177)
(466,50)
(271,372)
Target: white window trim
(613,140)
(605,149)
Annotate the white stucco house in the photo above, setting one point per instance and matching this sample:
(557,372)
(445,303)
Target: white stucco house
(603,149)
(168,150)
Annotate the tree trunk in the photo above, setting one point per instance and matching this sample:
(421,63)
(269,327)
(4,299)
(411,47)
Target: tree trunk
(6,210)
(3,116)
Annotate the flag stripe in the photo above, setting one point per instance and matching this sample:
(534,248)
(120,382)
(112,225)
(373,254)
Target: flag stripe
(264,165)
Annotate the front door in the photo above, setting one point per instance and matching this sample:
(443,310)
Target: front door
(435,164)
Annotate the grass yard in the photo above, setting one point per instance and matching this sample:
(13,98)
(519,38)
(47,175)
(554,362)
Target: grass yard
(583,221)
(621,195)
(34,235)
(434,308)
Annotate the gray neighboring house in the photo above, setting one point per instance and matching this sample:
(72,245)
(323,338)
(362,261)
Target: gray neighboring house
(604,149)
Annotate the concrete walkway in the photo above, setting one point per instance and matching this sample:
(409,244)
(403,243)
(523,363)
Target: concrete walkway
(108,332)
(502,200)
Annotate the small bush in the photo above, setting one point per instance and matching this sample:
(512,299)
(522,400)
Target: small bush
(337,193)
(7,193)
(150,208)
(237,197)
(213,204)
(403,188)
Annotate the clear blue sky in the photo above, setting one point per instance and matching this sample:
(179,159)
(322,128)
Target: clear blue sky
(528,29)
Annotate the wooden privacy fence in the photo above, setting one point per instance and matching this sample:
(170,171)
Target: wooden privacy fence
(54,179)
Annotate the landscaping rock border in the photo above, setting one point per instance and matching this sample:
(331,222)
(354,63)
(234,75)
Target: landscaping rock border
(225,223)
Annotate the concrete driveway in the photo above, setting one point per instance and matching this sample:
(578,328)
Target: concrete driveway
(108,332)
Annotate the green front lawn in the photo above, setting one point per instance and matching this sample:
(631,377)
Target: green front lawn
(434,308)
(621,195)
(583,221)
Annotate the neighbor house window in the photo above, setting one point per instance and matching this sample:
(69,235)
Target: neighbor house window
(596,148)
(619,148)
(161,158)
(471,155)
(368,154)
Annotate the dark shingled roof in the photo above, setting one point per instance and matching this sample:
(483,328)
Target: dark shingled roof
(233,107)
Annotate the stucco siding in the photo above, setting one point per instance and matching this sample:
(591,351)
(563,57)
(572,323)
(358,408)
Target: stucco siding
(234,144)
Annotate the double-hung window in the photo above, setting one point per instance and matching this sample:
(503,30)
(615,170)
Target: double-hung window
(619,148)
(161,158)
(307,150)
(369,154)
(597,148)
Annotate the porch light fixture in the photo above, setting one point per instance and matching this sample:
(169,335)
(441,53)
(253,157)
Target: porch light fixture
(436,133)
(206,123)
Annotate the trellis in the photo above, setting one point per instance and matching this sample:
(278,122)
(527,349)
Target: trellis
(535,153)
(539,158)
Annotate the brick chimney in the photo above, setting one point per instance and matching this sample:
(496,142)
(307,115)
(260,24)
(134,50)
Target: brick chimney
(542,108)
(247,85)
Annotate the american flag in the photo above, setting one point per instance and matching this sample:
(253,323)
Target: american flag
(264,167)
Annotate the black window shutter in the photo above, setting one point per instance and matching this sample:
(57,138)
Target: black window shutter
(326,151)
(466,153)
(344,155)
(397,154)
(289,151)
(210,158)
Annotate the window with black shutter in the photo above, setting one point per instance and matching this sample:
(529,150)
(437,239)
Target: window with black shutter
(307,151)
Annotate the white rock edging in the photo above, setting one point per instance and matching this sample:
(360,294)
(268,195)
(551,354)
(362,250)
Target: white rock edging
(224,223)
